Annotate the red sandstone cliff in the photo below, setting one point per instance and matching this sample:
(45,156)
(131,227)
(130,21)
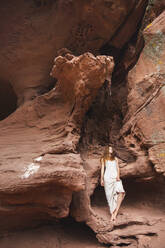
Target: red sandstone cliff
(74,76)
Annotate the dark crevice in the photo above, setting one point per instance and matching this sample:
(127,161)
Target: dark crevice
(65,226)
(151,234)
(123,245)
(120,73)
(104,107)
(130,236)
(70,226)
(152,164)
(99,113)
(73,108)
(128,132)
(130,223)
(46,89)
(8,99)
(118,31)
(147,192)
(146,147)
(137,138)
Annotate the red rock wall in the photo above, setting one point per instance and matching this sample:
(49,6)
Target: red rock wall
(105,85)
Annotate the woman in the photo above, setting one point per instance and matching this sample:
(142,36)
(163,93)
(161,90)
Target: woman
(111,181)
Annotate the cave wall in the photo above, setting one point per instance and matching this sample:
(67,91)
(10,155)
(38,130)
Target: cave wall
(71,84)
(33,31)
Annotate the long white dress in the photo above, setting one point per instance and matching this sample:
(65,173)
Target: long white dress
(111,186)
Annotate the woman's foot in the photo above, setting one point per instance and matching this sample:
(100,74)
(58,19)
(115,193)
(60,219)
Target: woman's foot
(112,217)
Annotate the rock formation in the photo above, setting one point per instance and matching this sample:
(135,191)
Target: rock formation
(39,160)
(69,85)
(33,31)
(153,10)
(144,121)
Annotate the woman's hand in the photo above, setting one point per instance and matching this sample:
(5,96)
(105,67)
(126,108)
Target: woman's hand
(102,182)
(117,179)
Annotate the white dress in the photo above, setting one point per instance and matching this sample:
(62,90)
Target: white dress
(111,186)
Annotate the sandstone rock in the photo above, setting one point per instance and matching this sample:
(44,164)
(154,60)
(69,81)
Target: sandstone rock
(40,165)
(144,121)
(157,157)
(51,145)
(32,33)
(137,155)
(153,10)
(127,30)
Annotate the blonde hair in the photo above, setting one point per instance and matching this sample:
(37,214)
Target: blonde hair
(107,155)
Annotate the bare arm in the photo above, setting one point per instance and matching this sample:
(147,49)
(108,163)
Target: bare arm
(118,169)
(102,169)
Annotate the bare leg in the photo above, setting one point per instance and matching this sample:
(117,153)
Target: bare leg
(112,216)
(119,201)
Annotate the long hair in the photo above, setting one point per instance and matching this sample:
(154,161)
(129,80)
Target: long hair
(107,155)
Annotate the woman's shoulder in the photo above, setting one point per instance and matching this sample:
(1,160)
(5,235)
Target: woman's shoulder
(116,158)
(102,159)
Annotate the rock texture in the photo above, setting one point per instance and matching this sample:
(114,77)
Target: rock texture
(33,31)
(132,118)
(153,10)
(39,160)
(69,105)
(144,121)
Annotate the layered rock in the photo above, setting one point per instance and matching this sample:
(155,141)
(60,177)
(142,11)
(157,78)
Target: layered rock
(51,145)
(40,165)
(131,130)
(144,122)
(33,31)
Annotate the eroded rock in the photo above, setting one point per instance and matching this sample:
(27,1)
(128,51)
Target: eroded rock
(32,32)
(144,122)
(39,143)
(51,145)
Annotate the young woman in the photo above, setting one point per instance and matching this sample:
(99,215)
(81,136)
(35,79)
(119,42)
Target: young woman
(111,181)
